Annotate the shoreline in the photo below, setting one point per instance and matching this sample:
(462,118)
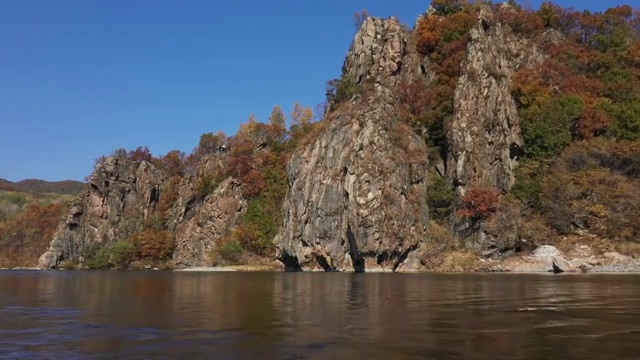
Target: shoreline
(250,269)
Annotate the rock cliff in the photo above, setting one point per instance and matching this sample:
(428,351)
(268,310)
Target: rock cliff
(356,197)
(483,138)
(120,195)
(197,221)
(356,194)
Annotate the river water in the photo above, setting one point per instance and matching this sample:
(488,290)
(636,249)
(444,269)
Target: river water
(183,315)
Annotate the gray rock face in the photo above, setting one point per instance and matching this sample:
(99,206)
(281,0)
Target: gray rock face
(197,220)
(377,52)
(199,227)
(484,135)
(356,196)
(120,195)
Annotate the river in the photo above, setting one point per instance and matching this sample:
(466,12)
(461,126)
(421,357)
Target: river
(233,315)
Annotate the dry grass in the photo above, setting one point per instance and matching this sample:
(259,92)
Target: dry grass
(459,261)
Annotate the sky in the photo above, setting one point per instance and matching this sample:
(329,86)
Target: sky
(80,78)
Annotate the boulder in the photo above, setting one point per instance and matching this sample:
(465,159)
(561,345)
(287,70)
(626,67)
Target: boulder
(561,265)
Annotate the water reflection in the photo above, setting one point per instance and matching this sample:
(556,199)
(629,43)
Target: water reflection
(317,316)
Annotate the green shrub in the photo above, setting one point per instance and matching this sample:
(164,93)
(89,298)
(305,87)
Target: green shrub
(228,251)
(117,255)
(441,197)
(206,185)
(546,126)
(340,90)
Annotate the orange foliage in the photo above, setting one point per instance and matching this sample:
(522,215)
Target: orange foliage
(434,31)
(527,85)
(154,244)
(479,203)
(539,82)
(168,194)
(172,163)
(427,34)
(27,234)
(520,21)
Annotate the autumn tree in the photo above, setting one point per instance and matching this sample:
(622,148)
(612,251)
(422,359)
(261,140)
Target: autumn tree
(141,153)
(278,125)
(173,163)
(301,118)
(210,142)
(478,203)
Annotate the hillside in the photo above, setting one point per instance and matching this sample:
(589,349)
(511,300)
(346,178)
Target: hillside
(471,140)
(66,187)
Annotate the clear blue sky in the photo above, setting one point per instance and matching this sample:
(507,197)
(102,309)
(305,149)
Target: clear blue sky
(79,78)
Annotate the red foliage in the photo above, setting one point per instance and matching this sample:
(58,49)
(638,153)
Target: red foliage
(592,122)
(140,154)
(6,187)
(252,184)
(240,159)
(540,81)
(415,98)
(479,203)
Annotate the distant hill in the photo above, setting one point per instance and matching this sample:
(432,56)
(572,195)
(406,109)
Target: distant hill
(66,187)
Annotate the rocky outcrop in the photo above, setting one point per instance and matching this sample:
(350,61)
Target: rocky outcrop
(120,195)
(356,196)
(205,210)
(483,138)
(377,52)
(199,227)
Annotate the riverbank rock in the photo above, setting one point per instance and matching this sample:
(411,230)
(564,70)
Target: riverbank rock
(561,265)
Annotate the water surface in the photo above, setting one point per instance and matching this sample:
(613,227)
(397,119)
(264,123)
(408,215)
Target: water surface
(167,315)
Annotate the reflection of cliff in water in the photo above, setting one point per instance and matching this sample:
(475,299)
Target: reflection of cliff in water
(317,315)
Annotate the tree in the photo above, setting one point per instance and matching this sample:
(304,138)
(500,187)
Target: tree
(277,124)
(340,90)
(140,154)
(173,163)
(120,153)
(300,120)
(209,143)
(546,126)
(479,203)
(447,7)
